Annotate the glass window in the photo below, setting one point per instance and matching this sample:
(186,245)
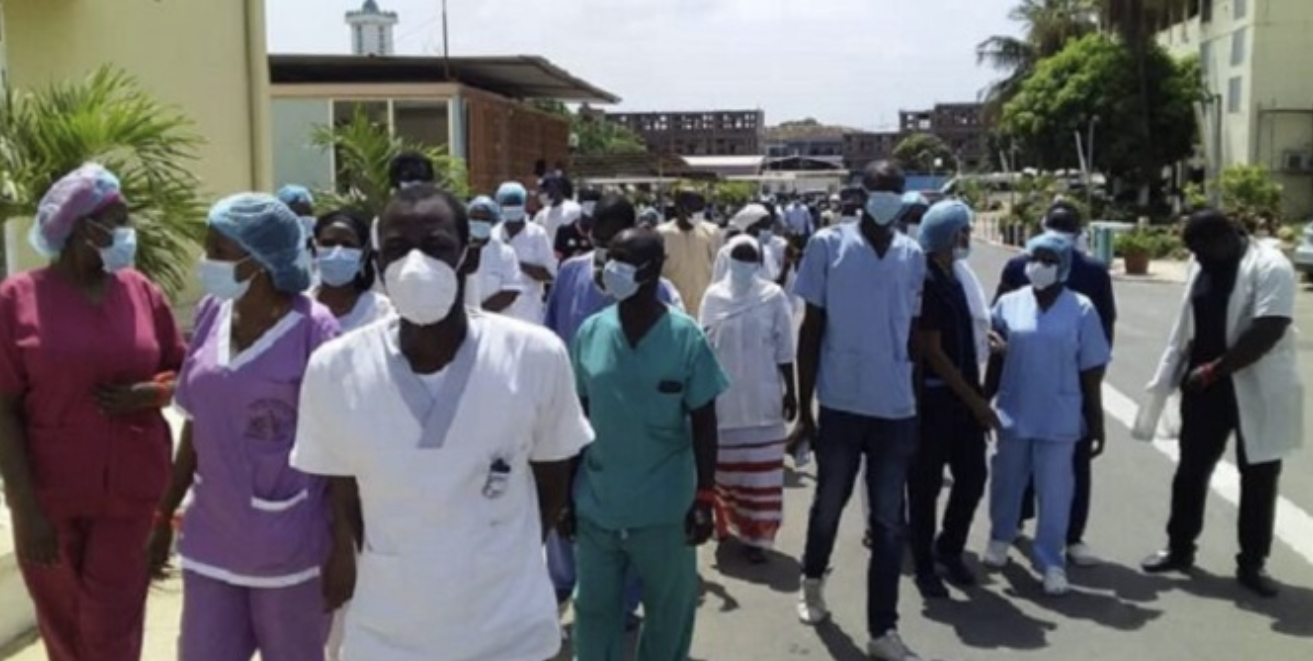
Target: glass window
(423,122)
(1238,47)
(1205,57)
(1241,8)
(1234,92)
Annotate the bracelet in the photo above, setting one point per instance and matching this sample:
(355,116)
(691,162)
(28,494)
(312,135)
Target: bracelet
(705,497)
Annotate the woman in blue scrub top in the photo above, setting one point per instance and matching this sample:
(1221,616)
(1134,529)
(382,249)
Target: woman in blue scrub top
(1047,384)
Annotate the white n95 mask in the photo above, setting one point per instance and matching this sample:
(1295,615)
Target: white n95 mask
(422,288)
(1041,275)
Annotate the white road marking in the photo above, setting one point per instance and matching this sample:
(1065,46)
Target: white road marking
(1294,525)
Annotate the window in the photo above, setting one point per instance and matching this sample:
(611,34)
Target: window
(1205,57)
(1241,7)
(1233,94)
(1238,47)
(1206,11)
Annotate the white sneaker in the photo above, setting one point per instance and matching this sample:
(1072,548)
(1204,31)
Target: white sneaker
(1081,555)
(996,555)
(811,601)
(890,647)
(1055,582)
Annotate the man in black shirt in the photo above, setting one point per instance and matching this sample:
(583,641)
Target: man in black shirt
(953,411)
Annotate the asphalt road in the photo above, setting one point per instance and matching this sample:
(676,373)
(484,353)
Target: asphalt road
(1114,613)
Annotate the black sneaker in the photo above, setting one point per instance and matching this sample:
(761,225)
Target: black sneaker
(957,572)
(1167,561)
(1257,581)
(931,586)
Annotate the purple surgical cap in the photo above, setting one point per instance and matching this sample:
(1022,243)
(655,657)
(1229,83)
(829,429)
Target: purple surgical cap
(81,193)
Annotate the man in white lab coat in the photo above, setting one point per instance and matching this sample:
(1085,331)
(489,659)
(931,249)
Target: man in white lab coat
(456,487)
(1232,355)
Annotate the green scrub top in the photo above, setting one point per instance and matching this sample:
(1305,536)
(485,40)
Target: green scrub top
(640,470)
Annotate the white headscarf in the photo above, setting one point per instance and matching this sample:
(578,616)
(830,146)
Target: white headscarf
(727,297)
(977,303)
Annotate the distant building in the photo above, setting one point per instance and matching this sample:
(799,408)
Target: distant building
(862,147)
(1258,81)
(960,125)
(371,29)
(805,140)
(709,133)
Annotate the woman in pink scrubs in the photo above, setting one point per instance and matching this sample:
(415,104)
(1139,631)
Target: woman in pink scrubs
(257,531)
(87,351)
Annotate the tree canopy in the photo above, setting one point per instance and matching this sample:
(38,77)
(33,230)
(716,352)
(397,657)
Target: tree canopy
(917,153)
(1095,78)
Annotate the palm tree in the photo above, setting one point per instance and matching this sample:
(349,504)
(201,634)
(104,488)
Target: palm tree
(110,119)
(363,150)
(1047,25)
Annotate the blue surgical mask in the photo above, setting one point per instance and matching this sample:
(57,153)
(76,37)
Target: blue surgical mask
(513,213)
(883,207)
(219,279)
(743,273)
(961,252)
(480,230)
(619,280)
(121,252)
(338,266)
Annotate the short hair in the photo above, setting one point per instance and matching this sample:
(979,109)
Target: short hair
(360,227)
(614,205)
(884,176)
(411,166)
(590,194)
(414,196)
(1205,225)
(1061,209)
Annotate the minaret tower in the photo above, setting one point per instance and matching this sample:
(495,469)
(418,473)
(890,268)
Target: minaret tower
(371,29)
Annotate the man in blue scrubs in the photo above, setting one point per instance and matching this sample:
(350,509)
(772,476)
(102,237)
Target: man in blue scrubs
(862,284)
(1090,278)
(648,380)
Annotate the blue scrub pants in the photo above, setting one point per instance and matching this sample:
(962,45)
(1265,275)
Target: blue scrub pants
(1049,464)
(843,440)
(668,567)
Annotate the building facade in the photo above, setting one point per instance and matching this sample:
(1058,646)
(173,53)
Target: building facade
(710,133)
(960,125)
(1258,83)
(862,147)
(371,29)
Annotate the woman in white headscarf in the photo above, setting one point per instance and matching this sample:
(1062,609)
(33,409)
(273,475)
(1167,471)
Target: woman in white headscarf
(749,322)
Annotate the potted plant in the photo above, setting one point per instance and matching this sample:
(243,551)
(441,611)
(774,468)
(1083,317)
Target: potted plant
(1136,248)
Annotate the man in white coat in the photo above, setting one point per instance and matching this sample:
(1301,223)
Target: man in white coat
(1232,354)
(456,487)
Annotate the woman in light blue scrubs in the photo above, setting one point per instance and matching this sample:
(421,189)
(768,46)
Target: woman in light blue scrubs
(1047,384)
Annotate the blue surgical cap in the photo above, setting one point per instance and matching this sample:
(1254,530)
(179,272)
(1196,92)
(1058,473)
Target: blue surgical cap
(512,194)
(942,224)
(295,194)
(1056,243)
(487,204)
(270,232)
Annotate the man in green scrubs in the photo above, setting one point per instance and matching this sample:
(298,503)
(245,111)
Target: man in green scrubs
(649,381)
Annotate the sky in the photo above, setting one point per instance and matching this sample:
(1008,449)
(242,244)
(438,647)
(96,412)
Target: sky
(849,62)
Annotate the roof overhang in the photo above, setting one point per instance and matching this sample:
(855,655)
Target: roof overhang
(524,77)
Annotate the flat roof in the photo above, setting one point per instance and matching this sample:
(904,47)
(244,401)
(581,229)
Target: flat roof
(512,76)
(724,161)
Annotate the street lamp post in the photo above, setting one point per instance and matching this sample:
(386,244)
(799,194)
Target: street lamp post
(1089,165)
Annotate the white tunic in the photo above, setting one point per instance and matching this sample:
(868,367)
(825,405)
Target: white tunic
(499,271)
(531,246)
(452,567)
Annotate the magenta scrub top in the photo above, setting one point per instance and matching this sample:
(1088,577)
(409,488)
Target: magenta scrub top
(253,520)
(56,348)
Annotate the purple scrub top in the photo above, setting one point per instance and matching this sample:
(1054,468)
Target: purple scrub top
(252,516)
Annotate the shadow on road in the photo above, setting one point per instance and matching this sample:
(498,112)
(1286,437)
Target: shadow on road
(1291,612)
(1107,610)
(987,621)
(796,479)
(780,573)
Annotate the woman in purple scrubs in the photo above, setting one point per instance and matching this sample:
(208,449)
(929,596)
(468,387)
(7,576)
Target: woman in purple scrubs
(257,531)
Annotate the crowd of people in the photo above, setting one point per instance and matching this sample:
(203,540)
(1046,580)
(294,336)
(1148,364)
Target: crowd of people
(563,407)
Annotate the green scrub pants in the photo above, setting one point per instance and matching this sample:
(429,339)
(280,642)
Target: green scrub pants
(667,567)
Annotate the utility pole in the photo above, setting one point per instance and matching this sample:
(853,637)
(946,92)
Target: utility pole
(1089,172)
(446,44)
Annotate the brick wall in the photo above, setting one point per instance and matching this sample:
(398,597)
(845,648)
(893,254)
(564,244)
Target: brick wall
(506,138)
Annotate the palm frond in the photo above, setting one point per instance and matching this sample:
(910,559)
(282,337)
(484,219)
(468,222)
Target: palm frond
(111,119)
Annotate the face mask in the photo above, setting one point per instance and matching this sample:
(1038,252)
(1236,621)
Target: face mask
(588,208)
(764,237)
(883,207)
(1041,275)
(219,279)
(742,273)
(122,252)
(698,216)
(422,288)
(1082,243)
(338,266)
(848,219)
(513,214)
(599,255)
(308,223)
(545,200)
(961,252)
(409,184)
(619,280)
(480,230)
